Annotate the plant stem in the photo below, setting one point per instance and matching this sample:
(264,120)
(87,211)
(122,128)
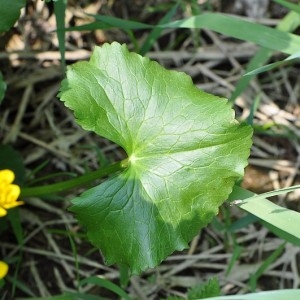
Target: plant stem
(73,183)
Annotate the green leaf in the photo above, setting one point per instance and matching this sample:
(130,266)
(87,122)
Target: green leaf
(10,12)
(185,151)
(211,288)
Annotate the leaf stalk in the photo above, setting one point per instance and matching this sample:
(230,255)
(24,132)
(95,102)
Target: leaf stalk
(73,183)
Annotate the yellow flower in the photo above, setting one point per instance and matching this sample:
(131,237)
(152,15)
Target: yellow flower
(9,192)
(3,269)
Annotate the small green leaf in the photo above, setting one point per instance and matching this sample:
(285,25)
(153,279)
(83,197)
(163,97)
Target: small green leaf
(10,12)
(211,288)
(185,151)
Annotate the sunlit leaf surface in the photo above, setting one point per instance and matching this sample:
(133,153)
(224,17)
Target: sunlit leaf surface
(185,151)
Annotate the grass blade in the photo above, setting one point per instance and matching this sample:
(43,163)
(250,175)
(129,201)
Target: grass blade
(270,295)
(155,33)
(288,24)
(244,30)
(2,87)
(243,222)
(68,296)
(290,59)
(289,5)
(264,266)
(286,221)
(253,110)
(89,27)
(120,23)
(106,284)
(237,250)
(228,25)
(60,9)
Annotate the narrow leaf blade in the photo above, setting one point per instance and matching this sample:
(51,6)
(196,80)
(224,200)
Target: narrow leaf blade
(269,295)
(264,36)
(285,221)
(268,67)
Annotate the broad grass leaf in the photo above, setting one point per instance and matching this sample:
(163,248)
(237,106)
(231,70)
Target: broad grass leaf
(267,37)
(280,220)
(185,151)
(236,27)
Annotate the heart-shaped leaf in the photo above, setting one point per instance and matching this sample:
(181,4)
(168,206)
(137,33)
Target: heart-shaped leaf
(185,151)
